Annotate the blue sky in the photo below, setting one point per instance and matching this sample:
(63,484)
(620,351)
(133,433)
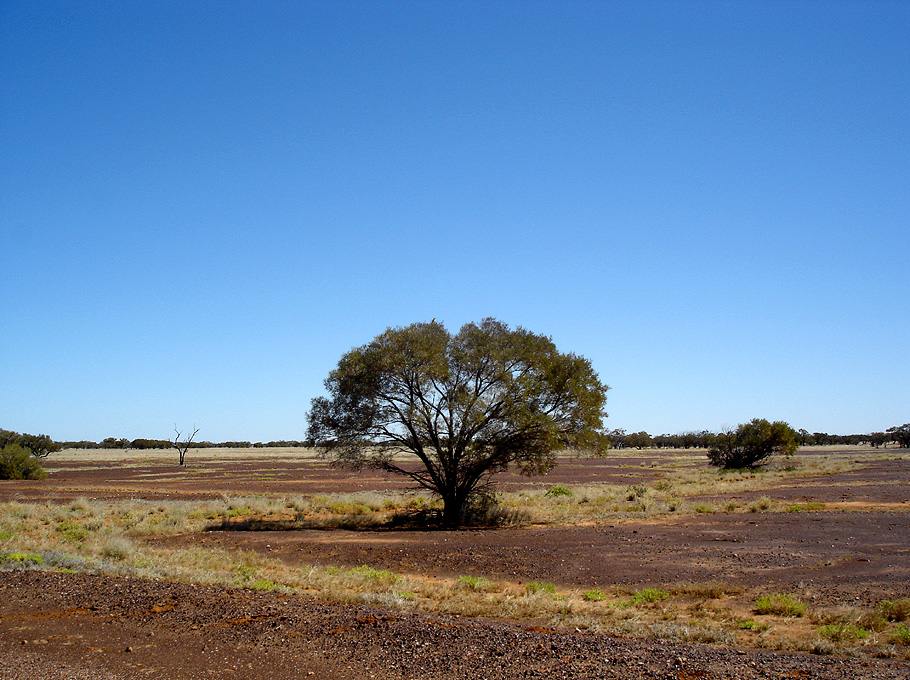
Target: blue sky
(204,205)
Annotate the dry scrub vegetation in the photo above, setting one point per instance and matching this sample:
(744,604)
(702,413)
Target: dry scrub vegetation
(111,537)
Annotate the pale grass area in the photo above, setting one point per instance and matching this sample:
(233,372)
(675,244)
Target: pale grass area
(136,457)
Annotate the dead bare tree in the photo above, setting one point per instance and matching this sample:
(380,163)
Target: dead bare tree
(182,446)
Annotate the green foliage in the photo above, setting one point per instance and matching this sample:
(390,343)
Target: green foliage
(594,595)
(901,435)
(805,507)
(752,444)
(20,559)
(780,605)
(901,635)
(558,490)
(649,595)
(478,583)
(540,587)
(377,576)
(17,462)
(72,531)
(899,610)
(754,626)
(466,405)
(843,632)
(39,445)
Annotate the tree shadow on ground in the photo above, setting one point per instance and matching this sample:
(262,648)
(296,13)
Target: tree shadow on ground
(414,520)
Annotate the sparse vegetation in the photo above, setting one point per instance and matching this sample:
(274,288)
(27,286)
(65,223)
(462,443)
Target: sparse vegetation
(594,595)
(899,610)
(780,605)
(843,632)
(649,596)
(121,537)
(540,587)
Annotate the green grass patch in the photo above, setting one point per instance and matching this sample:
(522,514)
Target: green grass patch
(754,626)
(805,507)
(474,583)
(558,490)
(843,632)
(594,595)
(649,596)
(379,576)
(540,587)
(780,605)
(72,531)
(21,559)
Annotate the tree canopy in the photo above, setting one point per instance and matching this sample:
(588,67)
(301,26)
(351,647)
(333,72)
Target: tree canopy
(465,405)
(752,444)
(39,445)
(901,435)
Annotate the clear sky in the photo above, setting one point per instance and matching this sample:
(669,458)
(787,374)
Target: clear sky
(203,205)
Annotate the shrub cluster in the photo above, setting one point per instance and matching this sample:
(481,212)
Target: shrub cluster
(18,462)
(39,445)
(752,444)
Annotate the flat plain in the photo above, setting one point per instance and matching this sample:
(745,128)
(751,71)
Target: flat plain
(271,563)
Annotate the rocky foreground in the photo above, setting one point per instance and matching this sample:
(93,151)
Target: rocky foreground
(59,626)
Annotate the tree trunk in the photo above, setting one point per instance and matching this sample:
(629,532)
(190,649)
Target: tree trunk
(452,508)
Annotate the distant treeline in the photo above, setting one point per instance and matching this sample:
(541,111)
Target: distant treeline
(620,439)
(114,443)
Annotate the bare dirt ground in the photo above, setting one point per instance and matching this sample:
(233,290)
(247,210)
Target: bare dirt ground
(57,625)
(67,626)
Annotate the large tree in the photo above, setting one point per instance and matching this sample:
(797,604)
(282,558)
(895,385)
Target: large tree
(465,405)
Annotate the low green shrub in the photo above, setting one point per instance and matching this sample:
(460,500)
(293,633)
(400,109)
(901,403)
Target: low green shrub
(594,595)
(843,632)
(20,559)
(780,605)
(805,507)
(17,462)
(649,595)
(755,627)
(539,586)
(380,576)
(899,610)
(474,583)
